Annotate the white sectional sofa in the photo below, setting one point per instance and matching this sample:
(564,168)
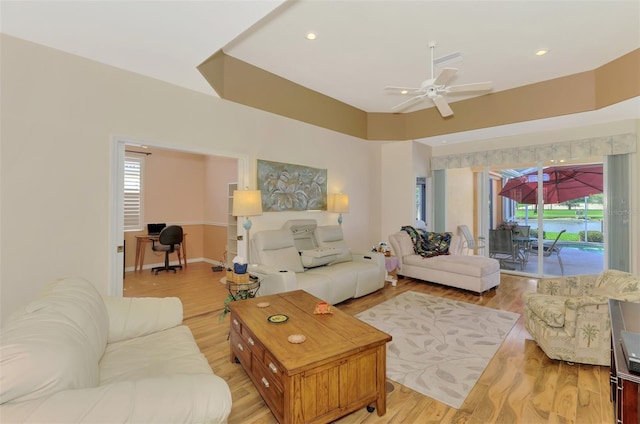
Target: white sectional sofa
(314,259)
(72,356)
(474,273)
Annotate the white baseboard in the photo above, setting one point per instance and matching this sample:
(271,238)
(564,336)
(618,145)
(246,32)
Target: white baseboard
(189,261)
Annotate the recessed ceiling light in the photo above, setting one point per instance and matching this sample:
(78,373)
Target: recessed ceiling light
(404,92)
(311,35)
(542,52)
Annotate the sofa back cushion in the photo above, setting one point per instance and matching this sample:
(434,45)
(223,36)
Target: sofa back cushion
(55,344)
(613,283)
(276,248)
(402,244)
(331,236)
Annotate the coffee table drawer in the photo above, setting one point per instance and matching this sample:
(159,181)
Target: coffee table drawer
(253,343)
(241,349)
(273,367)
(269,387)
(236,324)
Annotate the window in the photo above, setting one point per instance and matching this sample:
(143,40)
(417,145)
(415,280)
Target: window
(421,199)
(133,168)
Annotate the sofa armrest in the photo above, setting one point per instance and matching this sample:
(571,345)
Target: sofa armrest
(177,399)
(131,317)
(375,257)
(575,285)
(273,280)
(581,310)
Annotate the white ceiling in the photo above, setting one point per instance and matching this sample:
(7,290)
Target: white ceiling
(362,45)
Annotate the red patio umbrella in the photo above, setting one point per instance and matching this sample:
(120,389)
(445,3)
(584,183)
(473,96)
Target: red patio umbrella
(560,183)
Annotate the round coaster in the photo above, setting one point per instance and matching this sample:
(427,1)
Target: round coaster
(262,304)
(296,338)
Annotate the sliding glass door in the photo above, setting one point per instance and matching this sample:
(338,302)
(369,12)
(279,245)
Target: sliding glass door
(547,219)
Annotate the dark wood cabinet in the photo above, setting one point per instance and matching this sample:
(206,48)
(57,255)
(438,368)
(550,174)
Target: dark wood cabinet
(625,385)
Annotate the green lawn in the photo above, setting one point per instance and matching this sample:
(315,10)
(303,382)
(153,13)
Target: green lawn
(562,213)
(550,214)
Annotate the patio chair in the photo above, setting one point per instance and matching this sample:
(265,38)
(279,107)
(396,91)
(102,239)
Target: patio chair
(502,248)
(521,237)
(469,242)
(549,249)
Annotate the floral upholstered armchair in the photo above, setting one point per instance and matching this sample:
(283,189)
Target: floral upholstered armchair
(569,316)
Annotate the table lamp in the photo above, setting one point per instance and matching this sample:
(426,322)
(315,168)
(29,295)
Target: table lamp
(340,204)
(247,203)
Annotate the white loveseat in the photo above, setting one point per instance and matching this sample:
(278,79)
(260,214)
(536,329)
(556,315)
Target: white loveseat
(474,273)
(318,261)
(73,356)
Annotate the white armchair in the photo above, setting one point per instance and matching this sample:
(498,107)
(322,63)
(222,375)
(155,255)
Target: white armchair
(569,317)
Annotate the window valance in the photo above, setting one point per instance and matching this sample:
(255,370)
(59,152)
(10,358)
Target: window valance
(574,149)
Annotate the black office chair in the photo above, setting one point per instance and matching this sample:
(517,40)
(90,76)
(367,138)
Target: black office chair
(168,241)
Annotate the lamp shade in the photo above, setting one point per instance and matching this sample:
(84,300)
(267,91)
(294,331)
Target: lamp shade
(340,203)
(247,203)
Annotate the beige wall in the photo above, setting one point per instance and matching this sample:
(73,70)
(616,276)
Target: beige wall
(60,116)
(174,187)
(459,199)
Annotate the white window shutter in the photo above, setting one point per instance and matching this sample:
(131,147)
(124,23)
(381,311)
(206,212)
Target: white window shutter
(133,167)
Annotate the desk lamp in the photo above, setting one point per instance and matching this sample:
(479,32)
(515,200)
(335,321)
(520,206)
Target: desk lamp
(247,203)
(340,205)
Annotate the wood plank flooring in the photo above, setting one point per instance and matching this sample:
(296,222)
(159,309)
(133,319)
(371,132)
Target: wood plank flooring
(520,385)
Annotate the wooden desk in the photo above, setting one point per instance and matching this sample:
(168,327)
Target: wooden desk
(339,368)
(141,242)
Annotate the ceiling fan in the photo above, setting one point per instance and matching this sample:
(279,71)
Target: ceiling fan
(435,87)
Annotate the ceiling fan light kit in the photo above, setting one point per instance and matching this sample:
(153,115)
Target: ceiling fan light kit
(435,87)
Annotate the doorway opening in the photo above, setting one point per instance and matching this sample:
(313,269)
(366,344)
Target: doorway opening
(169,199)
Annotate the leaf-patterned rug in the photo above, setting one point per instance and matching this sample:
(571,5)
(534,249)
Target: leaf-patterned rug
(440,347)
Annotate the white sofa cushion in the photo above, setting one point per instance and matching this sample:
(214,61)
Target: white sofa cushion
(131,317)
(276,248)
(475,266)
(148,356)
(312,258)
(404,245)
(55,344)
(331,236)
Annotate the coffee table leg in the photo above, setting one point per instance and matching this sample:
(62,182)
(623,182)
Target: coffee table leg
(381,402)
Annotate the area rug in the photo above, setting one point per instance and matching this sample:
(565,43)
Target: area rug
(440,347)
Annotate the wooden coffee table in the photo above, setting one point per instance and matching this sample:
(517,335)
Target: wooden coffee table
(339,368)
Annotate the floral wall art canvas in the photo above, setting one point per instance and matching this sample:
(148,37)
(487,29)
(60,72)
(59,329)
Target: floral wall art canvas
(288,187)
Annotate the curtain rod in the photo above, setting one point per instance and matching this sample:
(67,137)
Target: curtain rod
(140,153)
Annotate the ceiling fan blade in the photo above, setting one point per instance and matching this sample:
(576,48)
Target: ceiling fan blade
(406,102)
(476,86)
(442,105)
(445,76)
(399,89)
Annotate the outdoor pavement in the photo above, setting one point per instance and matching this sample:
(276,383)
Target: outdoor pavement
(575,262)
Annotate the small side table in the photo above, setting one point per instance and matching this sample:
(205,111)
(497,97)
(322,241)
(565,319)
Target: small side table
(239,291)
(243,290)
(392,263)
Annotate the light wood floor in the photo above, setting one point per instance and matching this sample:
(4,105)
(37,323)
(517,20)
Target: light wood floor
(520,385)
